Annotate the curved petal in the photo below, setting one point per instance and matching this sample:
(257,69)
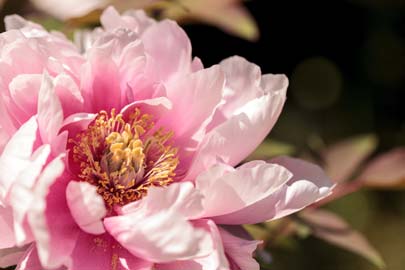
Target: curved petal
(169,57)
(30,260)
(239,251)
(86,206)
(21,197)
(180,197)
(53,227)
(50,113)
(227,190)
(216,260)
(253,120)
(16,155)
(308,185)
(150,229)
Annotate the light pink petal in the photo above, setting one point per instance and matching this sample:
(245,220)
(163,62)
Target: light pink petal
(308,185)
(180,197)
(156,107)
(216,260)
(86,206)
(50,113)
(200,91)
(242,84)
(24,91)
(52,225)
(248,126)
(169,57)
(21,196)
(16,155)
(239,251)
(11,256)
(162,237)
(7,239)
(227,190)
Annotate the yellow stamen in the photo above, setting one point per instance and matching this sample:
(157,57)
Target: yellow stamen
(122,158)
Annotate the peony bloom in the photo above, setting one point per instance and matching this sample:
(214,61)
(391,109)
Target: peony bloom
(122,157)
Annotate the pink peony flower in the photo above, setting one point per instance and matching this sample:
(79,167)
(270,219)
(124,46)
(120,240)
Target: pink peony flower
(123,157)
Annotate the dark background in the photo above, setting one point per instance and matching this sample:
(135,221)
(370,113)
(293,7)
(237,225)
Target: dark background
(346,64)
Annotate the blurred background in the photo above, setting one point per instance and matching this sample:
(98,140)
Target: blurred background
(345,110)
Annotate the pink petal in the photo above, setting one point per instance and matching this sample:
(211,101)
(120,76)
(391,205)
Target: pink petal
(180,197)
(285,195)
(53,227)
(16,155)
(169,57)
(11,256)
(24,91)
(247,127)
(21,196)
(7,239)
(86,206)
(200,91)
(50,113)
(227,190)
(150,230)
(239,251)
(69,94)
(215,260)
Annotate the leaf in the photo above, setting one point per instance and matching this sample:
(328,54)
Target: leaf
(334,230)
(344,158)
(386,170)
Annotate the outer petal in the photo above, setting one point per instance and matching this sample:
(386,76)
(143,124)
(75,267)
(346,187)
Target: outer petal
(216,260)
(239,251)
(87,206)
(227,190)
(53,227)
(16,155)
(180,197)
(308,185)
(157,231)
(21,195)
(246,127)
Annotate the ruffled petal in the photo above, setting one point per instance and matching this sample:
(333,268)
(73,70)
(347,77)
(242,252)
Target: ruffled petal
(246,125)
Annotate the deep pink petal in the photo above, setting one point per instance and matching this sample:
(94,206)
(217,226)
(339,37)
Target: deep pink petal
(53,227)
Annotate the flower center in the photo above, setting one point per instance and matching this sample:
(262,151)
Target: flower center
(123,157)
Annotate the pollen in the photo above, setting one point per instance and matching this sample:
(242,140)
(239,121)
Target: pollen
(123,157)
